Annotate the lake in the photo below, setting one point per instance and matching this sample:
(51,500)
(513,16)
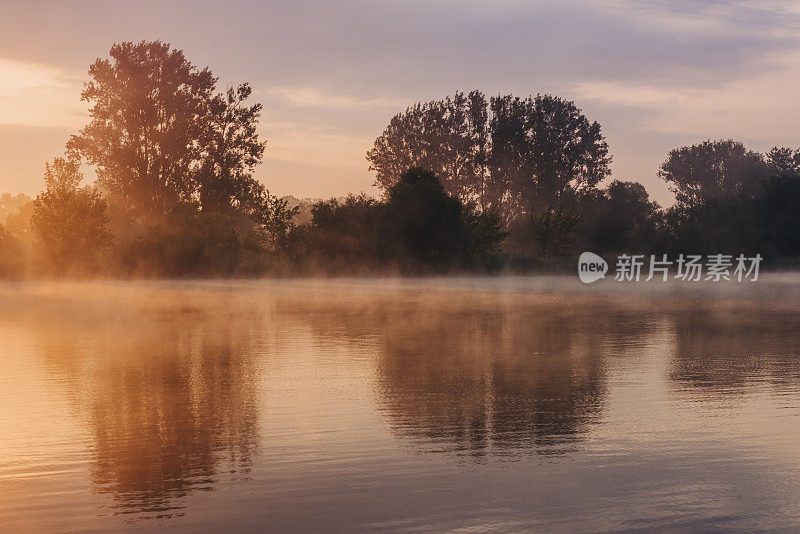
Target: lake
(463,404)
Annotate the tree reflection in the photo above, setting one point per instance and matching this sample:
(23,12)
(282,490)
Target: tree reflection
(168,397)
(485,376)
(498,381)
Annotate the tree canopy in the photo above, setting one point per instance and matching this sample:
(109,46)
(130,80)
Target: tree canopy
(509,153)
(712,169)
(161,136)
(69,221)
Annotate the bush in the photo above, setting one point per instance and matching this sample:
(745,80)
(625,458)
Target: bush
(186,243)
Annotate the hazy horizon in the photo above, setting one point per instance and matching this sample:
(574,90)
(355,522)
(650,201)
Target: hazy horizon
(656,75)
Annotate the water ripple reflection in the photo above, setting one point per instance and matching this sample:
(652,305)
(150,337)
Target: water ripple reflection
(411,406)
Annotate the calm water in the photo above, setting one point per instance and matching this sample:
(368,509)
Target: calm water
(424,406)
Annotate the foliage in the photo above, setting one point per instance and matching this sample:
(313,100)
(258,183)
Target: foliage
(11,204)
(424,225)
(185,243)
(272,218)
(148,105)
(783,161)
(554,230)
(450,137)
(161,137)
(231,150)
(10,255)
(712,169)
(344,235)
(468,184)
(507,155)
(18,223)
(718,225)
(69,221)
(778,207)
(619,218)
(485,236)
(542,148)
(417,228)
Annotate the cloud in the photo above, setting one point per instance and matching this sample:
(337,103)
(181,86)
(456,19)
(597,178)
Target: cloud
(38,95)
(309,97)
(331,73)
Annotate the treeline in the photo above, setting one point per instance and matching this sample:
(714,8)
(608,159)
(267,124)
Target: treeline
(468,183)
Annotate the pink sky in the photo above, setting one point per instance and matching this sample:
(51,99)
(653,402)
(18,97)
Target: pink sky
(330,74)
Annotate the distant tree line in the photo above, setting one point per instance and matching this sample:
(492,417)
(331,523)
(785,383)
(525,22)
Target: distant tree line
(468,183)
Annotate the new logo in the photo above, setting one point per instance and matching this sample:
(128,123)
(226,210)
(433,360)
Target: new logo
(591,267)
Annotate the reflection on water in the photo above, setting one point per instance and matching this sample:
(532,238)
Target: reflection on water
(496,379)
(168,398)
(397,406)
(732,350)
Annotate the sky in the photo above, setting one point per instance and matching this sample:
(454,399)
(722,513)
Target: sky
(656,74)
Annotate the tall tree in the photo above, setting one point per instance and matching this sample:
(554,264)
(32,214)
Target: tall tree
(448,137)
(148,114)
(543,147)
(69,221)
(231,150)
(712,169)
(509,154)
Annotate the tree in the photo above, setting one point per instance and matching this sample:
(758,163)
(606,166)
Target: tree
(783,161)
(449,137)
(777,208)
(10,254)
(554,230)
(69,221)
(231,150)
(160,136)
(542,148)
(10,204)
(507,155)
(712,169)
(424,223)
(148,110)
(18,221)
(418,227)
(485,236)
(619,218)
(272,218)
(345,235)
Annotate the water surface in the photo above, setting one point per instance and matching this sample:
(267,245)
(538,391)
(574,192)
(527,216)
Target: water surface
(470,405)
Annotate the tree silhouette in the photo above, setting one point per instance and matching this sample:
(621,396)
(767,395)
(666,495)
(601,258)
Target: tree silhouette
(231,150)
(69,221)
(510,155)
(423,220)
(783,160)
(449,137)
(712,169)
(147,115)
(10,252)
(160,136)
(620,218)
(541,148)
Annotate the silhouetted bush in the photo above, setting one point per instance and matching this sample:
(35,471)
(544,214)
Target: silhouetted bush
(619,218)
(184,243)
(419,228)
(778,208)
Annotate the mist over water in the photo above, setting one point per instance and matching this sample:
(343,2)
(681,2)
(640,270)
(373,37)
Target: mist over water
(495,404)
